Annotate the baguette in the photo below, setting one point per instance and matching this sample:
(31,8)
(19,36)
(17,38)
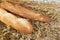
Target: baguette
(20,24)
(20,10)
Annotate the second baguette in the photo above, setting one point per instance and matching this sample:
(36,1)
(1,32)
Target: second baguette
(20,24)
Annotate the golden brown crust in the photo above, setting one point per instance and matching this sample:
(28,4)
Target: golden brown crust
(20,24)
(19,10)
